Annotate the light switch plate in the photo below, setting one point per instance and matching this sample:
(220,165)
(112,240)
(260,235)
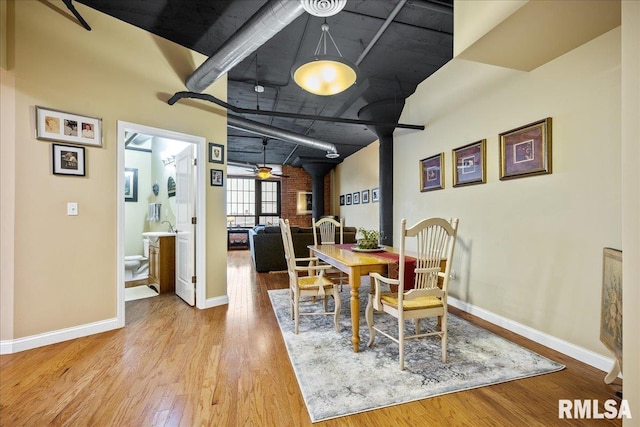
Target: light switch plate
(72,208)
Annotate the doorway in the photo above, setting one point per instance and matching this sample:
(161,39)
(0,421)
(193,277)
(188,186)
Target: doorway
(196,256)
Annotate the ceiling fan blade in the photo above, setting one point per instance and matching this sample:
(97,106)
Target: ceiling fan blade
(246,166)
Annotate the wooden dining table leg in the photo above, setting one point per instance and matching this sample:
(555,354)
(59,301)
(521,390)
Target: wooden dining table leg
(354,284)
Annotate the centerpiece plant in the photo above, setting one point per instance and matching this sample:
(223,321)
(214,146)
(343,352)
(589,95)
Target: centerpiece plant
(369,239)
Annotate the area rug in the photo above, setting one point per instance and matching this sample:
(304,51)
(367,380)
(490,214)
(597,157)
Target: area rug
(139,292)
(335,381)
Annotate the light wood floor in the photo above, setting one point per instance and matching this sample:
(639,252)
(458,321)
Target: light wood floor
(173,365)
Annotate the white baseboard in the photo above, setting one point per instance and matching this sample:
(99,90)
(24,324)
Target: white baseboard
(54,337)
(214,302)
(582,354)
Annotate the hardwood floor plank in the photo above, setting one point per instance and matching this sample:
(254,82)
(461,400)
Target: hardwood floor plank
(228,366)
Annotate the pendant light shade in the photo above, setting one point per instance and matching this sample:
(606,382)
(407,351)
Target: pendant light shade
(324,74)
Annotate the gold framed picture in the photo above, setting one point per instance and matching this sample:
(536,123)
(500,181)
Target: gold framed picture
(431,173)
(611,310)
(469,164)
(526,151)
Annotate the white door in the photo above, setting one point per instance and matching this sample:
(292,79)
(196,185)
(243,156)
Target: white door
(185,211)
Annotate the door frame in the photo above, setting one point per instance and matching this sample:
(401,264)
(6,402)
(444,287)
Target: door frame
(200,208)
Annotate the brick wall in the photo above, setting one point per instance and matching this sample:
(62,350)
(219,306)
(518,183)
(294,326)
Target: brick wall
(299,180)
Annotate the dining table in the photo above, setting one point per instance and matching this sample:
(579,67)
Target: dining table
(355,263)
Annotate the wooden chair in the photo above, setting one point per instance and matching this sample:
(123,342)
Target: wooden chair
(308,280)
(327,228)
(435,241)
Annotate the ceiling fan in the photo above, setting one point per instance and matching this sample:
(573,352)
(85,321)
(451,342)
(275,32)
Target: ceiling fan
(264,171)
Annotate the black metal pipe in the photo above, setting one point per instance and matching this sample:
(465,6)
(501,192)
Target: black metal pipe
(386,188)
(75,12)
(206,97)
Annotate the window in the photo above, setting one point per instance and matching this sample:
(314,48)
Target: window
(251,202)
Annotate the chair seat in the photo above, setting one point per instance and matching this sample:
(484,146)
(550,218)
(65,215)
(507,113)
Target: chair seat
(311,282)
(420,303)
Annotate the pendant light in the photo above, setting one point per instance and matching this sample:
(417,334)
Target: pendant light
(324,74)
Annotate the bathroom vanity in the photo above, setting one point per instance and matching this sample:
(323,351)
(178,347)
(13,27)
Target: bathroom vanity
(162,261)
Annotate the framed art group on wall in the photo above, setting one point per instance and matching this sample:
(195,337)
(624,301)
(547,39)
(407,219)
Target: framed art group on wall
(59,126)
(357,197)
(523,151)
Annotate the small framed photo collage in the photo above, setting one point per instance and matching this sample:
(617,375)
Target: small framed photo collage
(360,197)
(72,130)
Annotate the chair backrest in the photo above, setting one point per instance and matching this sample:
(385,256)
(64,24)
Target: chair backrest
(327,228)
(287,242)
(435,242)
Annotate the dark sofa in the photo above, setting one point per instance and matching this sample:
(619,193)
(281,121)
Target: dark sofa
(267,251)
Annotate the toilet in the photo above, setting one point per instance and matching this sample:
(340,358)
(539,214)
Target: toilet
(136,267)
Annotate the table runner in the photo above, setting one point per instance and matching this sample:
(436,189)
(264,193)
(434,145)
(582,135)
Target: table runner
(409,265)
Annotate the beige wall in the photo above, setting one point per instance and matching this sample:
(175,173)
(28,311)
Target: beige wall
(529,249)
(65,267)
(358,172)
(474,19)
(7,173)
(631,204)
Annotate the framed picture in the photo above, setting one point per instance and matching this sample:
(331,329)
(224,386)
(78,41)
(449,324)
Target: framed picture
(171,187)
(469,164)
(304,204)
(216,177)
(342,200)
(68,160)
(375,195)
(611,309)
(130,184)
(53,125)
(356,198)
(216,153)
(431,171)
(365,196)
(526,151)
(348,199)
